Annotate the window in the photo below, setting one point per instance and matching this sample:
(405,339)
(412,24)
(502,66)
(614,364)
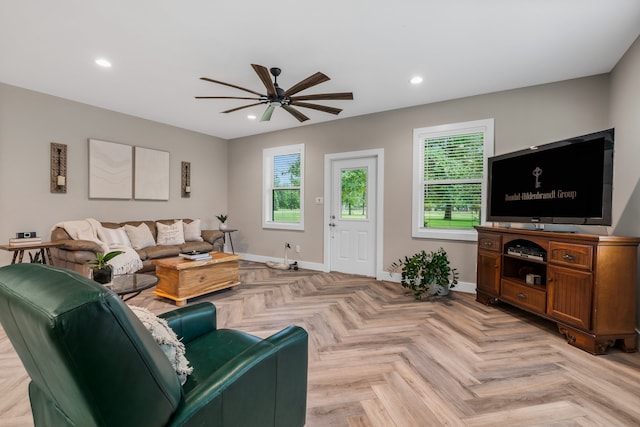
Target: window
(283,183)
(449,179)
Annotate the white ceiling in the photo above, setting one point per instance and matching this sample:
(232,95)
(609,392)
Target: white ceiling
(160,49)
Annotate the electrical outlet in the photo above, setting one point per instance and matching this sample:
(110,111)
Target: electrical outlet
(297,248)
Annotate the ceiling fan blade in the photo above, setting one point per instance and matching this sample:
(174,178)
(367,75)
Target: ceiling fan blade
(244,106)
(267,113)
(324,108)
(310,81)
(264,75)
(230,85)
(223,97)
(324,96)
(295,113)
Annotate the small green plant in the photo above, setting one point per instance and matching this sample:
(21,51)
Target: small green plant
(102,272)
(100,261)
(222,218)
(428,273)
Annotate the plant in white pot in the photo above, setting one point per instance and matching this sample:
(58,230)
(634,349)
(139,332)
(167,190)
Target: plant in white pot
(100,270)
(428,273)
(223,221)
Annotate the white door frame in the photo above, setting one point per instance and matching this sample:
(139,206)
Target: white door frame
(378,154)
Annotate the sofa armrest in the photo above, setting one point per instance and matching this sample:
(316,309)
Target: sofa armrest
(293,359)
(212,236)
(79,245)
(238,392)
(190,322)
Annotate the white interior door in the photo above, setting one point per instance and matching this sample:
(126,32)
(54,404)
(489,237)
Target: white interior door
(352,220)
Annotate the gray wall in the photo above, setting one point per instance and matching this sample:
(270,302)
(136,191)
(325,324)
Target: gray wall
(523,117)
(625,116)
(30,121)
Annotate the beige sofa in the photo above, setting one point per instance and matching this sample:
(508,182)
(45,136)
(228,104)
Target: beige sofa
(74,254)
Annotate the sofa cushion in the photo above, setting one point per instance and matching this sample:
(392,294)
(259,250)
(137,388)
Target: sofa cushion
(140,236)
(161,251)
(170,234)
(192,231)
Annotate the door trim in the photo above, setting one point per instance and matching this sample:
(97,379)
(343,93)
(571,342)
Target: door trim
(378,154)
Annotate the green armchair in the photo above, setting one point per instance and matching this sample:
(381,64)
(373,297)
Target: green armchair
(93,363)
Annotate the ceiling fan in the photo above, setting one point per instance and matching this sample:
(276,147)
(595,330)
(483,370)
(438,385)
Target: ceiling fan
(278,97)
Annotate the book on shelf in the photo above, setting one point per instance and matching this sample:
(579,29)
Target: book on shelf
(26,241)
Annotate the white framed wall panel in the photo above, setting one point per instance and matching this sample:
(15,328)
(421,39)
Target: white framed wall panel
(151,180)
(110,170)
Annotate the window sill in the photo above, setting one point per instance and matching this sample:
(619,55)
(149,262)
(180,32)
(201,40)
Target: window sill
(446,234)
(283,226)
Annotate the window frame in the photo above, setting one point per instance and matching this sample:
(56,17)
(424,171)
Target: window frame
(268,156)
(485,126)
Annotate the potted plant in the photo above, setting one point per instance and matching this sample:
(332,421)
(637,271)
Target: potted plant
(101,271)
(428,273)
(223,219)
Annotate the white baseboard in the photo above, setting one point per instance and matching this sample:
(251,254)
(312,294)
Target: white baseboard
(302,264)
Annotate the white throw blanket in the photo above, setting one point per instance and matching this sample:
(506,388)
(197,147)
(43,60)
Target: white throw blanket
(87,229)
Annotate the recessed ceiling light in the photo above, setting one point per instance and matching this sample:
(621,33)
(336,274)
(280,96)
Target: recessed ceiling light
(103,63)
(416,80)
(251,117)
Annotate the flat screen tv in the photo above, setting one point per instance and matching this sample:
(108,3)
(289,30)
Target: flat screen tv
(564,182)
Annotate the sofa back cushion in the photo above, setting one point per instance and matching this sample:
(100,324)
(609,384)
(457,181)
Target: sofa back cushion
(140,236)
(170,234)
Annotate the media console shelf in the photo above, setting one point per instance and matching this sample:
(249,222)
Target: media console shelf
(586,283)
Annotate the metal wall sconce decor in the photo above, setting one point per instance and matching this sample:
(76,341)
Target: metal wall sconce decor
(186,179)
(58,173)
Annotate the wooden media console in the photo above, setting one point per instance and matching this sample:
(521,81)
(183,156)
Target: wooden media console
(586,283)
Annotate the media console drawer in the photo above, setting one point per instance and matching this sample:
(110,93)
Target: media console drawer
(571,254)
(524,296)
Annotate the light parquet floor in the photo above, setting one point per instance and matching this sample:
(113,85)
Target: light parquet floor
(379,359)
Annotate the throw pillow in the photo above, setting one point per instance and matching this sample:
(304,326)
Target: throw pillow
(170,234)
(139,236)
(192,231)
(114,236)
(166,339)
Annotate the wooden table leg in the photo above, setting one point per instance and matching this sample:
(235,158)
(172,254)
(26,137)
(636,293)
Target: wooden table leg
(20,255)
(15,255)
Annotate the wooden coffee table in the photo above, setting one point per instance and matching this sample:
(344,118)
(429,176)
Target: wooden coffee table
(181,279)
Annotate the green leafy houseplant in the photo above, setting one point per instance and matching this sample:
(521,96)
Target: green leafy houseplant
(102,272)
(428,273)
(222,218)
